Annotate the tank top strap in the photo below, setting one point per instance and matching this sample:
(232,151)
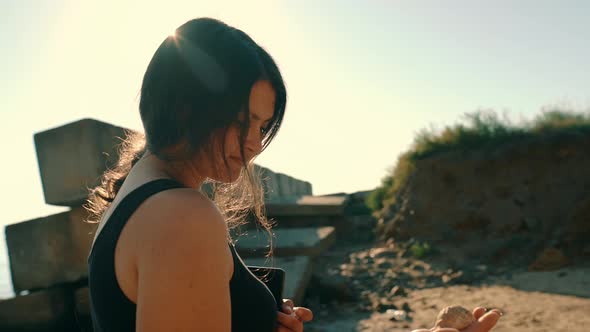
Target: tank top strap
(127,206)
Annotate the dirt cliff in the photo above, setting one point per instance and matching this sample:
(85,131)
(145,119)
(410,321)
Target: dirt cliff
(523,203)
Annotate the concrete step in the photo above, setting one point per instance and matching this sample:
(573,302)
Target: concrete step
(48,251)
(56,247)
(298,270)
(279,186)
(307,206)
(46,310)
(308,241)
(82,303)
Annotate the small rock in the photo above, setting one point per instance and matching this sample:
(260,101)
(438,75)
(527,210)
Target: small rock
(418,267)
(549,259)
(394,291)
(383,253)
(453,277)
(396,315)
(406,307)
(446,278)
(481,267)
(390,243)
(383,263)
(334,288)
(386,306)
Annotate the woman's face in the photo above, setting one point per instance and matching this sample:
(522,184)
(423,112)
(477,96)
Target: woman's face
(261,106)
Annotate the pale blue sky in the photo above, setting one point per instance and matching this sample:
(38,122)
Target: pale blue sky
(362,76)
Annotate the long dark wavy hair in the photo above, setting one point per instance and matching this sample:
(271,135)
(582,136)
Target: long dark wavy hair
(196,83)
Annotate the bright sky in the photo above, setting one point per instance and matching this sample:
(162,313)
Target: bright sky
(362,76)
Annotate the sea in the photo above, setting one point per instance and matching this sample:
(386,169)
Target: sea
(6,290)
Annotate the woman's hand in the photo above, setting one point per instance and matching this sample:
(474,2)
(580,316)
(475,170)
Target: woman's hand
(291,319)
(484,322)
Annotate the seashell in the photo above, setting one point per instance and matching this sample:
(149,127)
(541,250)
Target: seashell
(455,317)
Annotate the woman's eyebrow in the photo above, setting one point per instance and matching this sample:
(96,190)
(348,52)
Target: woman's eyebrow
(257,118)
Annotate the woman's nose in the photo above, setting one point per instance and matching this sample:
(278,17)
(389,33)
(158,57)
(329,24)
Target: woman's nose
(253,144)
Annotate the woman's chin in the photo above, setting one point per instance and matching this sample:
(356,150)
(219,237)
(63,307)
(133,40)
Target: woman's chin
(229,178)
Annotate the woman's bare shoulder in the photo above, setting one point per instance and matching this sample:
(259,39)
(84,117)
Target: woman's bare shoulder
(181,205)
(184,263)
(181,217)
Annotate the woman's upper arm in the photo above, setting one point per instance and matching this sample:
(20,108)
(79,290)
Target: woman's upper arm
(184,267)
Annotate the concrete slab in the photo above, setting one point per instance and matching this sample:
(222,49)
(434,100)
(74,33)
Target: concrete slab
(82,305)
(46,310)
(298,273)
(311,200)
(48,251)
(73,157)
(287,242)
(307,221)
(278,186)
(322,200)
(82,301)
(307,206)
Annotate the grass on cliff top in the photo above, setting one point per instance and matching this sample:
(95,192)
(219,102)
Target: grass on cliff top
(480,130)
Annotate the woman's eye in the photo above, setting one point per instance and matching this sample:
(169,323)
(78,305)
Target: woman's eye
(263,130)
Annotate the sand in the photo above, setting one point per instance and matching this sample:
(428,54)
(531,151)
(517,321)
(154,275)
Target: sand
(555,301)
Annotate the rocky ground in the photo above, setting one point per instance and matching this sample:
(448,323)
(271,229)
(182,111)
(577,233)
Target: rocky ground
(388,286)
(503,226)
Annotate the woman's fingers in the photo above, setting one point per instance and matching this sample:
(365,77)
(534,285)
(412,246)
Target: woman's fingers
(291,322)
(282,329)
(485,322)
(287,309)
(478,312)
(490,319)
(304,314)
(288,302)
(440,329)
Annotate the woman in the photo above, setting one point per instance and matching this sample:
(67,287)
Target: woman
(162,258)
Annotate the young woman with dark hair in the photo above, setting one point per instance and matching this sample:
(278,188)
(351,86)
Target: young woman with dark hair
(162,257)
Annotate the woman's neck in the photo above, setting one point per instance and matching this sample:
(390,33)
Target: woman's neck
(181,171)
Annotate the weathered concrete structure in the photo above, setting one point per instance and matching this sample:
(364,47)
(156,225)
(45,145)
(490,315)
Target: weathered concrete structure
(73,157)
(48,255)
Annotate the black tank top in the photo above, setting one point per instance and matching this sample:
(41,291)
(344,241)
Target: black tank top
(253,307)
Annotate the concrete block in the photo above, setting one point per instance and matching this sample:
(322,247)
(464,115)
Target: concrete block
(286,222)
(270,184)
(82,301)
(287,242)
(298,270)
(73,157)
(323,200)
(303,188)
(284,185)
(82,307)
(48,251)
(46,310)
(308,206)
